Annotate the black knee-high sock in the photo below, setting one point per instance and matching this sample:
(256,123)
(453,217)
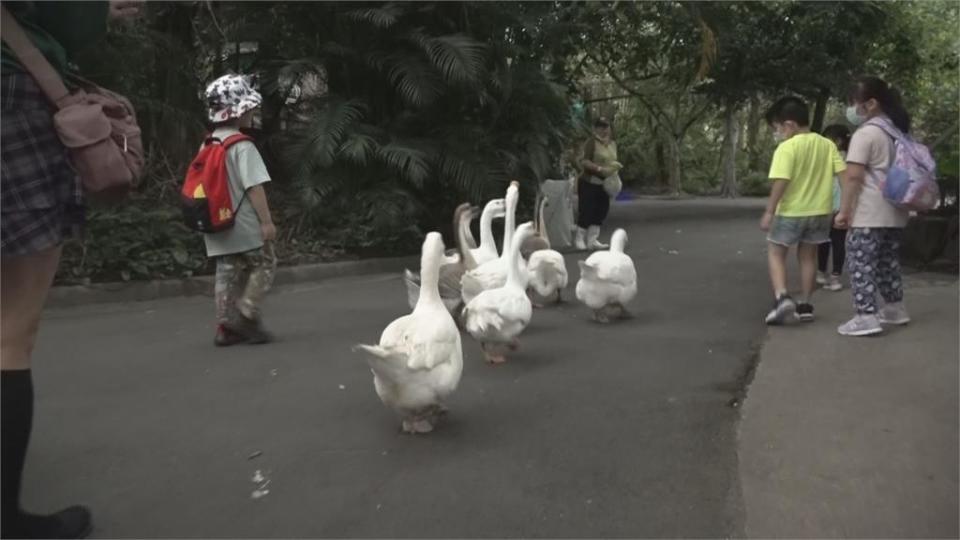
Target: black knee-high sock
(17,417)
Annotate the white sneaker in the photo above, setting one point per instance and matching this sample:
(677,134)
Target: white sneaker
(895,313)
(822,279)
(579,241)
(861,325)
(834,284)
(593,239)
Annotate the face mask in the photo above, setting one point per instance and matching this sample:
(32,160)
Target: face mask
(854,117)
(778,136)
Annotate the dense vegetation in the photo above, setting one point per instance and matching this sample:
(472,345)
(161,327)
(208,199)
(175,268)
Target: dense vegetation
(380,117)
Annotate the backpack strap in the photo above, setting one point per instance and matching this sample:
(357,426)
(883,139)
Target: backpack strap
(892,131)
(32,59)
(234,139)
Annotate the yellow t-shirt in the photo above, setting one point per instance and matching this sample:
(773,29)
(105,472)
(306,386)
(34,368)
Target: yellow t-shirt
(808,162)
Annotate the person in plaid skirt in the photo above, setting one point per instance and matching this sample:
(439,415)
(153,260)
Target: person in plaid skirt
(42,206)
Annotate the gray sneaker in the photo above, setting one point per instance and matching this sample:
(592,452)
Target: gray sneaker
(861,325)
(782,308)
(822,278)
(834,284)
(895,313)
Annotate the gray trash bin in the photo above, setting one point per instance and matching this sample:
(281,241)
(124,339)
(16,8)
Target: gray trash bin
(558,215)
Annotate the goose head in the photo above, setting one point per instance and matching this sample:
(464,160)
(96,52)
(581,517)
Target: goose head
(496,208)
(524,232)
(618,241)
(432,252)
(513,196)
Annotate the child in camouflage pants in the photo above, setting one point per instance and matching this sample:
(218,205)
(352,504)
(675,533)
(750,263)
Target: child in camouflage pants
(244,253)
(242,282)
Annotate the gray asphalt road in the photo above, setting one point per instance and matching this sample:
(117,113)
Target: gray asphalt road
(590,430)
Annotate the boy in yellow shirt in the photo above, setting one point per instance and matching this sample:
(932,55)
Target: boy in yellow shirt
(800,205)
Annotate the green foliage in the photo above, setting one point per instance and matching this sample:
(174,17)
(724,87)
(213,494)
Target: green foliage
(380,117)
(133,242)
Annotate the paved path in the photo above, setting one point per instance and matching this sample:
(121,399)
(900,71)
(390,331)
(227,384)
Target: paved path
(590,430)
(856,438)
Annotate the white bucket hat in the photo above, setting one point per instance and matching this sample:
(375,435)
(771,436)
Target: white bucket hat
(229,97)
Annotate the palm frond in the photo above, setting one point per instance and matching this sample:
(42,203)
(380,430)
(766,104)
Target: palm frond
(411,164)
(459,58)
(320,139)
(382,17)
(358,149)
(415,80)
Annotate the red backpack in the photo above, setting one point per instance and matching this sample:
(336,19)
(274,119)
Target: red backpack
(205,197)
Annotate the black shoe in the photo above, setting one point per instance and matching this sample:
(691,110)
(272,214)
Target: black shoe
(804,312)
(73,522)
(251,330)
(782,307)
(226,337)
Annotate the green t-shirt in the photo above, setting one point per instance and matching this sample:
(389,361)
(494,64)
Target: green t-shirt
(808,162)
(58,29)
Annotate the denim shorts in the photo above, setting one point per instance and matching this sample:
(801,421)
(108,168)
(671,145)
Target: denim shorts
(790,231)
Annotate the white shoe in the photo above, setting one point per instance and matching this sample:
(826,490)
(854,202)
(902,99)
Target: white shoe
(895,313)
(833,284)
(593,238)
(822,279)
(861,325)
(578,241)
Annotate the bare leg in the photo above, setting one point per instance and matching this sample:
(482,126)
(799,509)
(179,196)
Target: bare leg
(807,257)
(26,281)
(777,263)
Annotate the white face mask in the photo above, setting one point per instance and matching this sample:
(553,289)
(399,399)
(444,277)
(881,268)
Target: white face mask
(854,116)
(778,136)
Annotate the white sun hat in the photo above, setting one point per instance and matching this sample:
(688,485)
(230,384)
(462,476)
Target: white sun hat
(229,97)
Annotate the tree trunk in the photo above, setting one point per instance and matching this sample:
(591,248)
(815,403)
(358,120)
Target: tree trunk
(820,112)
(731,135)
(753,132)
(663,173)
(676,171)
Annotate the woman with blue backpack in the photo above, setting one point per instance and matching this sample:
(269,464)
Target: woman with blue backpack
(888,174)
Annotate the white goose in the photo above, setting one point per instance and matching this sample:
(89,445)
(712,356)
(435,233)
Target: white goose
(455,264)
(608,280)
(496,317)
(419,360)
(493,274)
(488,247)
(547,267)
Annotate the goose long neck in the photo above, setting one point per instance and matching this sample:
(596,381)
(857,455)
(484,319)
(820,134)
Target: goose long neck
(429,280)
(509,225)
(513,264)
(541,224)
(466,257)
(486,228)
(618,243)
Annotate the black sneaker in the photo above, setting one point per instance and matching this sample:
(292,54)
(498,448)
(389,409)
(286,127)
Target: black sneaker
(226,337)
(782,308)
(804,312)
(251,330)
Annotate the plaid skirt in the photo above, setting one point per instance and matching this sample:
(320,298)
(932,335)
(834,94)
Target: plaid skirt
(41,198)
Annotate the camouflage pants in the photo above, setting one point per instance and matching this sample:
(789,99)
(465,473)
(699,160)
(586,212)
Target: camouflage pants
(242,281)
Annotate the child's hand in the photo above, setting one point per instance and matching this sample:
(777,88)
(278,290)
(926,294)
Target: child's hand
(269,232)
(842,220)
(765,221)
